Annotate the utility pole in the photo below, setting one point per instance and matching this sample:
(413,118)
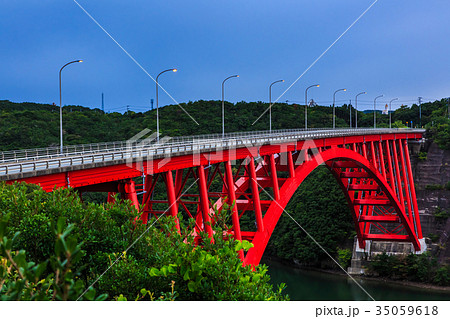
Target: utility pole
(151,103)
(420,111)
(103,103)
(128,109)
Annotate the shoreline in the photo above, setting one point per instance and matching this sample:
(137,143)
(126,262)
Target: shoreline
(434,288)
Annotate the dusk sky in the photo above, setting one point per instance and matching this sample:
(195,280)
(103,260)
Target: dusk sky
(398,48)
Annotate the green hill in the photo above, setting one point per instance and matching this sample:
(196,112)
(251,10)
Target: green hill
(30,125)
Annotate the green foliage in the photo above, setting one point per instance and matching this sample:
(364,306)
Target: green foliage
(23,280)
(422,156)
(344,257)
(441,214)
(71,244)
(434,237)
(320,208)
(398,124)
(434,187)
(420,268)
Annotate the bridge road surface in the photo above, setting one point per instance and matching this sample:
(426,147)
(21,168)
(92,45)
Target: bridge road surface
(20,164)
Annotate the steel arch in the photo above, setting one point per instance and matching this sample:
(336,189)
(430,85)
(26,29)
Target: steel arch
(327,157)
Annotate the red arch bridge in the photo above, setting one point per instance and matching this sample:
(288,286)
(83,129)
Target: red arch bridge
(258,171)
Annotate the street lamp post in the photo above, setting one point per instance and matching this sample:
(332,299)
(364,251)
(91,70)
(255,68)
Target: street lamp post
(390,109)
(223,103)
(375,111)
(356,108)
(157,108)
(334,109)
(306,104)
(270,104)
(60,104)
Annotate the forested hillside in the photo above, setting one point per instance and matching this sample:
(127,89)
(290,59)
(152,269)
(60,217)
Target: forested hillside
(30,125)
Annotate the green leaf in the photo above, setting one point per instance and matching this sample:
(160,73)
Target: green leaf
(60,225)
(154,272)
(191,286)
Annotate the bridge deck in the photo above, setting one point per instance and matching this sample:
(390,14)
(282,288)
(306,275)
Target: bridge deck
(36,162)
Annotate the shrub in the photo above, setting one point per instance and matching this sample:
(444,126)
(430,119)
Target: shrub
(344,257)
(441,214)
(422,156)
(434,187)
(99,238)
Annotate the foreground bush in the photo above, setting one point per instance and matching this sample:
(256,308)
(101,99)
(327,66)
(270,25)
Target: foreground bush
(53,246)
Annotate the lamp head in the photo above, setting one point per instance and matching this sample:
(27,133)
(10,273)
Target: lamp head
(174,70)
(317,85)
(345,90)
(80,61)
(237,76)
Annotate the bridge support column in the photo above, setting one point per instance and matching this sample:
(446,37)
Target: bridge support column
(232,201)
(273,173)
(128,190)
(413,192)
(204,201)
(255,195)
(171,196)
(405,182)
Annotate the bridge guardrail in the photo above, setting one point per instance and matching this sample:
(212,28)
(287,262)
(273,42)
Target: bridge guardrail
(69,150)
(105,152)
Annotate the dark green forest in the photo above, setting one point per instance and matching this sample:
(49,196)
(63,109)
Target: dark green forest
(31,125)
(318,205)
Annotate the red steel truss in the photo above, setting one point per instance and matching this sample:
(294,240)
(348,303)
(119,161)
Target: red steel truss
(374,172)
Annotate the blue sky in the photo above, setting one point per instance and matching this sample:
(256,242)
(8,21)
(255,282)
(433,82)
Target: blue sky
(399,49)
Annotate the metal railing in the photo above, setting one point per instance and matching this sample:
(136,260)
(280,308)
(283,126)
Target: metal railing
(22,161)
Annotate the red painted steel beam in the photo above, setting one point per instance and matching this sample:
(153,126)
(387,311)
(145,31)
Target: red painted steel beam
(375,202)
(380,218)
(397,174)
(354,175)
(363,187)
(273,173)
(276,209)
(413,190)
(232,201)
(255,196)
(381,237)
(204,201)
(172,199)
(405,182)
(390,165)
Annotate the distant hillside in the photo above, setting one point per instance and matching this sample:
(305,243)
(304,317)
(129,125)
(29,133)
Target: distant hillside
(29,125)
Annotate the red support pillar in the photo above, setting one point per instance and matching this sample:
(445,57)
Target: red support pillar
(129,190)
(172,199)
(397,174)
(273,173)
(372,153)
(413,191)
(290,164)
(204,201)
(382,162)
(391,171)
(405,182)
(232,201)
(255,195)
(178,181)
